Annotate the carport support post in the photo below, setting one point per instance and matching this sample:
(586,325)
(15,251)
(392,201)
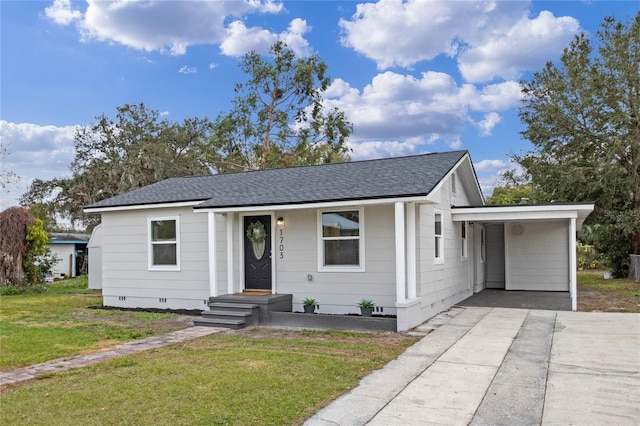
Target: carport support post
(573,275)
(401,294)
(211,228)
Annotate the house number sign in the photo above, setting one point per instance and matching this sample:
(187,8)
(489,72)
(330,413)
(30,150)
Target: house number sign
(281,245)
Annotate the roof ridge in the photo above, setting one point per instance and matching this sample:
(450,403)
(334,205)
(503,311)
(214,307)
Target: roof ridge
(302,166)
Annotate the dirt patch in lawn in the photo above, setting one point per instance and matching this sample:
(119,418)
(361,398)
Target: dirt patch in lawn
(590,300)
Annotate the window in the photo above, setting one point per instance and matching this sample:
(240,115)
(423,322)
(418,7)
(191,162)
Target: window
(437,232)
(483,245)
(164,243)
(341,240)
(463,239)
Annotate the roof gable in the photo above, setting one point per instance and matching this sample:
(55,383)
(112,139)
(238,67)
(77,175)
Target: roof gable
(359,180)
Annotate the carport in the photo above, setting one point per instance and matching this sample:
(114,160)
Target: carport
(525,247)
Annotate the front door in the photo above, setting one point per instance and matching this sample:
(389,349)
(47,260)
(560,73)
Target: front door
(257,252)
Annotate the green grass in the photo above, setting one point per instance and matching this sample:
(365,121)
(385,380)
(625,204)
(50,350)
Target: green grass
(615,295)
(244,378)
(39,327)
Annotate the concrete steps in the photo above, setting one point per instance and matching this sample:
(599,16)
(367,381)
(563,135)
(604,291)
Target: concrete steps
(233,315)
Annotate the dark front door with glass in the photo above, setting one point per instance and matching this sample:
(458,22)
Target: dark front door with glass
(257,252)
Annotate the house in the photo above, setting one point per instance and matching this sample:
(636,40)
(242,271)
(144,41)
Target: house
(410,233)
(70,249)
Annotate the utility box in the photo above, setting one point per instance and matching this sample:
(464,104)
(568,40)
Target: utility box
(634,267)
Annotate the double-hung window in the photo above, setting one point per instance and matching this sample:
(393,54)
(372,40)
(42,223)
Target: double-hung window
(341,242)
(164,243)
(438,240)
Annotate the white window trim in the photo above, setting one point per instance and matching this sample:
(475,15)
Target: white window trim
(338,268)
(463,240)
(438,260)
(150,244)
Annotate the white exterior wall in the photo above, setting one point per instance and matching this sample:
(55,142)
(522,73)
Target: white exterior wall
(64,253)
(126,279)
(336,292)
(440,285)
(94,249)
(538,259)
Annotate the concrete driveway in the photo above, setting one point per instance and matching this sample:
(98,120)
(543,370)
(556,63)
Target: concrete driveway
(500,366)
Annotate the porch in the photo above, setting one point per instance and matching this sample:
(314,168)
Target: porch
(241,310)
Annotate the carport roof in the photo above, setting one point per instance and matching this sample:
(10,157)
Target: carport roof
(524,212)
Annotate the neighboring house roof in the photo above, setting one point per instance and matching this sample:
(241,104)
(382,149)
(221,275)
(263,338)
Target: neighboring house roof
(358,180)
(68,238)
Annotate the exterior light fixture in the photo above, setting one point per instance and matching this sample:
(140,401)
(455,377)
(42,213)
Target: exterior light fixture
(280,221)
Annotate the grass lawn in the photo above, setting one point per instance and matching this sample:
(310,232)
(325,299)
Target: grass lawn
(58,322)
(256,376)
(597,294)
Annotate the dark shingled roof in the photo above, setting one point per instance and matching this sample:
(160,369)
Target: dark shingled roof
(358,180)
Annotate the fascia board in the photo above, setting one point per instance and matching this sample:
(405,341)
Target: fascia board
(141,207)
(559,211)
(322,205)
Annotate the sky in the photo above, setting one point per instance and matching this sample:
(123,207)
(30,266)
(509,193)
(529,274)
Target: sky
(412,76)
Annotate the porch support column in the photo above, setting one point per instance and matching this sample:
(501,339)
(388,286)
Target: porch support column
(411,251)
(230,218)
(573,275)
(400,254)
(213,277)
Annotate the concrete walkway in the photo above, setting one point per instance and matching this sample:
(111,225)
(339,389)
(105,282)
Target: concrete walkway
(497,366)
(61,364)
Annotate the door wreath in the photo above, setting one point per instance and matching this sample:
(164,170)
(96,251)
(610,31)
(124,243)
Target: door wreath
(257,234)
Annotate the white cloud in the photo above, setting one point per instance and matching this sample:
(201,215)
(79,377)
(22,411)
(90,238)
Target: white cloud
(489,165)
(35,151)
(157,25)
(240,39)
(489,39)
(61,13)
(366,150)
(490,121)
(526,45)
(397,106)
(188,70)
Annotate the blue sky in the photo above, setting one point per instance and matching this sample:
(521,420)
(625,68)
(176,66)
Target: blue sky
(412,76)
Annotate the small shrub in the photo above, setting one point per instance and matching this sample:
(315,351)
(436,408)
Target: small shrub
(11,290)
(588,257)
(38,288)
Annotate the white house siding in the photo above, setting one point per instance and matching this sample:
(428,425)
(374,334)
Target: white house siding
(67,255)
(127,282)
(539,258)
(336,292)
(439,285)
(94,249)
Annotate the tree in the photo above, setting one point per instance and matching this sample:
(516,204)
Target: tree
(583,119)
(24,255)
(113,157)
(278,117)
